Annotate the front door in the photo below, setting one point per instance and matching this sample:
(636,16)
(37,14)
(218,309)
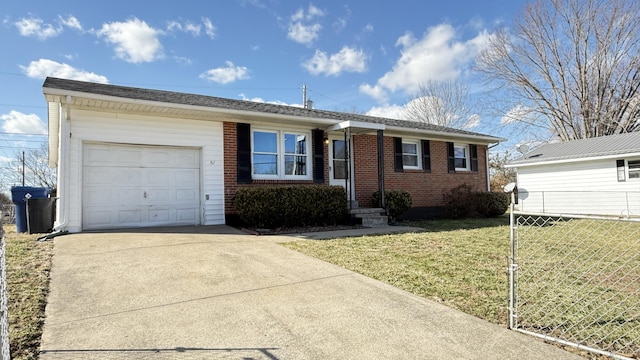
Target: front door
(339,169)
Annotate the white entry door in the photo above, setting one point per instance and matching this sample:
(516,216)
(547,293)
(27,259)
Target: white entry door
(132,186)
(339,164)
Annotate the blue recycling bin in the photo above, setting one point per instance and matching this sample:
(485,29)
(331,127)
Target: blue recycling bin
(19,196)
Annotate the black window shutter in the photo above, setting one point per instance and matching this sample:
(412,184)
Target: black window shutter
(397,150)
(451,158)
(426,156)
(244,153)
(318,155)
(473,149)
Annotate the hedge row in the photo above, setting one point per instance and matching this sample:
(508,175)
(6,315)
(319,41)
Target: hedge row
(463,201)
(396,201)
(291,206)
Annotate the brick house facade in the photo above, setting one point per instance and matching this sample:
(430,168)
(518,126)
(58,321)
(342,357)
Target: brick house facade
(134,157)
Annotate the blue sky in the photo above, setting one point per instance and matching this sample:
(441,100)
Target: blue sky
(362,56)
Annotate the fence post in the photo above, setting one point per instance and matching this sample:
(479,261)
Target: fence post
(512,292)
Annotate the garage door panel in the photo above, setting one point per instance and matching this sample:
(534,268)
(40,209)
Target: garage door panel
(186,215)
(131,185)
(186,195)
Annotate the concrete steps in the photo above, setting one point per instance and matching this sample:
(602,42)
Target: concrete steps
(370,217)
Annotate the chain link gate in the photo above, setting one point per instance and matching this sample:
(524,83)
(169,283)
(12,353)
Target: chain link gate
(576,281)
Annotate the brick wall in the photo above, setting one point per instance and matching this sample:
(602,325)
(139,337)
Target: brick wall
(231,174)
(426,188)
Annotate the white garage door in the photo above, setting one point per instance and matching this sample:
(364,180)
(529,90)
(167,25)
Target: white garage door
(131,186)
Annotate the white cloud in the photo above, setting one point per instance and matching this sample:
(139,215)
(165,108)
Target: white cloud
(301,27)
(135,41)
(438,55)
(18,123)
(389,111)
(193,28)
(347,59)
(261,100)
(209,29)
(376,92)
(225,75)
(71,22)
(35,27)
(44,67)
(518,113)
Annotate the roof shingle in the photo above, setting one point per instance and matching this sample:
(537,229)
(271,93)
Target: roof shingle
(172,97)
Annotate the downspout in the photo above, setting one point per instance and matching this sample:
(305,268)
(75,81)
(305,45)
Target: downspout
(486,158)
(63,172)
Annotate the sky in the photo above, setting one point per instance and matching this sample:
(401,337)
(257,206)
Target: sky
(359,56)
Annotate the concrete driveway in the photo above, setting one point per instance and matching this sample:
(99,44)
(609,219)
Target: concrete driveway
(217,293)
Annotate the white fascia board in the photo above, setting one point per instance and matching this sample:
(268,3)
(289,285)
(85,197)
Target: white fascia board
(60,92)
(574,160)
(355,124)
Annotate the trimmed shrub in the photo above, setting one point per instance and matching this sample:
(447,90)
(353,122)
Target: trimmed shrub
(491,204)
(291,206)
(397,202)
(463,201)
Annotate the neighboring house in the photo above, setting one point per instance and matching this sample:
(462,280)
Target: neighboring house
(595,176)
(131,157)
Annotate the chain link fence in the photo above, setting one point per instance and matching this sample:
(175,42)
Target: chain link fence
(4,313)
(576,280)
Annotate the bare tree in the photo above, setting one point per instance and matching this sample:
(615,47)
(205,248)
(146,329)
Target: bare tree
(32,166)
(445,103)
(575,64)
(500,174)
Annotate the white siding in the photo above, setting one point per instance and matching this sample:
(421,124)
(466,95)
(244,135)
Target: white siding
(207,136)
(586,187)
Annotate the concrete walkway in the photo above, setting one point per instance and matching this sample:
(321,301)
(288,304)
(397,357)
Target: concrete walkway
(217,293)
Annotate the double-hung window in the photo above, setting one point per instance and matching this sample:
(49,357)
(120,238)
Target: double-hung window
(461,155)
(280,154)
(634,169)
(410,154)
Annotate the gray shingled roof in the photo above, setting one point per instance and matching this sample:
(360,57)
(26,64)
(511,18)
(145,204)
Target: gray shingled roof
(611,145)
(172,97)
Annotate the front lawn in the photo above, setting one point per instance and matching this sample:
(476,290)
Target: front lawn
(461,263)
(28,265)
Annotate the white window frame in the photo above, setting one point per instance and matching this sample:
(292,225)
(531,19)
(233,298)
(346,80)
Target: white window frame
(467,152)
(281,154)
(418,154)
(630,173)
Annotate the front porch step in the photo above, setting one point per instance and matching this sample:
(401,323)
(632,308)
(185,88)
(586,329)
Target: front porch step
(370,217)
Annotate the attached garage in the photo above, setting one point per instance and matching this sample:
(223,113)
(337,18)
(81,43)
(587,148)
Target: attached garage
(135,185)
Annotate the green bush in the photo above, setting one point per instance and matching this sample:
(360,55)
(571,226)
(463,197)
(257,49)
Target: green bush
(463,201)
(291,206)
(491,204)
(458,201)
(397,202)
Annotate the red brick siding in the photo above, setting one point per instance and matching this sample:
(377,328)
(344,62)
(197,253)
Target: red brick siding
(426,188)
(231,169)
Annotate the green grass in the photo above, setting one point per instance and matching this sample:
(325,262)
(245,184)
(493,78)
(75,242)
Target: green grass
(461,263)
(28,265)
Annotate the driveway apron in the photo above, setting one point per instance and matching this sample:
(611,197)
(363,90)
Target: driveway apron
(217,293)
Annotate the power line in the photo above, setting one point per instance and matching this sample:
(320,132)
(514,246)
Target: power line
(17,133)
